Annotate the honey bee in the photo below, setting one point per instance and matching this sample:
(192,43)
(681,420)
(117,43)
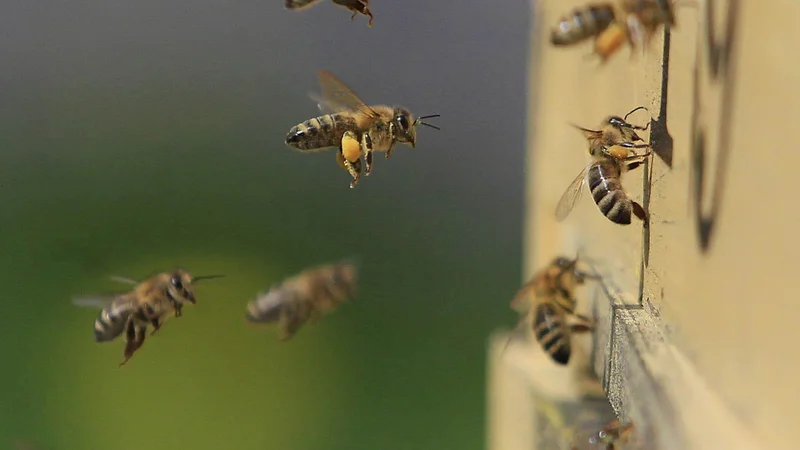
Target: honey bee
(547,301)
(605,438)
(354,127)
(582,23)
(304,297)
(613,152)
(148,304)
(356,6)
(612,25)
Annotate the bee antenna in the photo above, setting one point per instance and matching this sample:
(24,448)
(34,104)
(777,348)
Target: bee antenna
(587,130)
(420,121)
(633,111)
(206,277)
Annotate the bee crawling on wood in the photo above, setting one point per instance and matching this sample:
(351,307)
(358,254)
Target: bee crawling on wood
(305,297)
(354,127)
(356,6)
(148,304)
(613,151)
(547,301)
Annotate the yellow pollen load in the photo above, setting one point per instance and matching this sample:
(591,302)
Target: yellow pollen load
(351,148)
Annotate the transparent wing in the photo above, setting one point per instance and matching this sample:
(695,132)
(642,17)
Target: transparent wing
(571,196)
(336,96)
(98,301)
(269,305)
(298,4)
(124,280)
(120,301)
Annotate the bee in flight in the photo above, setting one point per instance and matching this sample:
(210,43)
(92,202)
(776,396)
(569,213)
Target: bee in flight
(304,297)
(354,127)
(547,301)
(613,151)
(613,24)
(148,304)
(356,6)
(605,438)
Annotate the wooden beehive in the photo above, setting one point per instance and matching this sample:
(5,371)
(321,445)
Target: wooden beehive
(695,340)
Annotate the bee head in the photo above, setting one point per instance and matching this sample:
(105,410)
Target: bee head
(180,287)
(345,274)
(405,127)
(564,263)
(626,129)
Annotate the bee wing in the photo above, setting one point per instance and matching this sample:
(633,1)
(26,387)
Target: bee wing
(120,301)
(336,96)
(571,196)
(97,301)
(268,306)
(124,280)
(298,4)
(521,301)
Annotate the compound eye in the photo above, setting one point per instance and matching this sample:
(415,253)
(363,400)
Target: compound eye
(176,281)
(403,122)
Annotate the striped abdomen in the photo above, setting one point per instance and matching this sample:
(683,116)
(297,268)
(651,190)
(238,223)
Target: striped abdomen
(552,331)
(606,188)
(582,23)
(111,321)
(320,132)
(335,284)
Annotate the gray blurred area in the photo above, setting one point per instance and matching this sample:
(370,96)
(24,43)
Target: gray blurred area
(141,135)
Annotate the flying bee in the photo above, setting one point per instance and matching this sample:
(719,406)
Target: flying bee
(582,23)
(613,151)
(305,297)
(356,6)
(612,25)
(354,127)
(605,438)
(546,302)
(148,304)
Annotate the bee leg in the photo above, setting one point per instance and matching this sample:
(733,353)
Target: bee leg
(289,326)
(365,10)
(355,171)
(134,338)
(156,325)
(313,316)
(368,160)
(639,211)
(178,308)
(585,321)
(389,150)
(366,147)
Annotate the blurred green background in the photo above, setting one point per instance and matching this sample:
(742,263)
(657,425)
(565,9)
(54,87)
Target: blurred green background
(140,136)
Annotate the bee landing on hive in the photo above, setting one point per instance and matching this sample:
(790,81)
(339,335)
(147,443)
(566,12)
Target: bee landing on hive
(148,304)
(613,151)
(357,129)
(547,301)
